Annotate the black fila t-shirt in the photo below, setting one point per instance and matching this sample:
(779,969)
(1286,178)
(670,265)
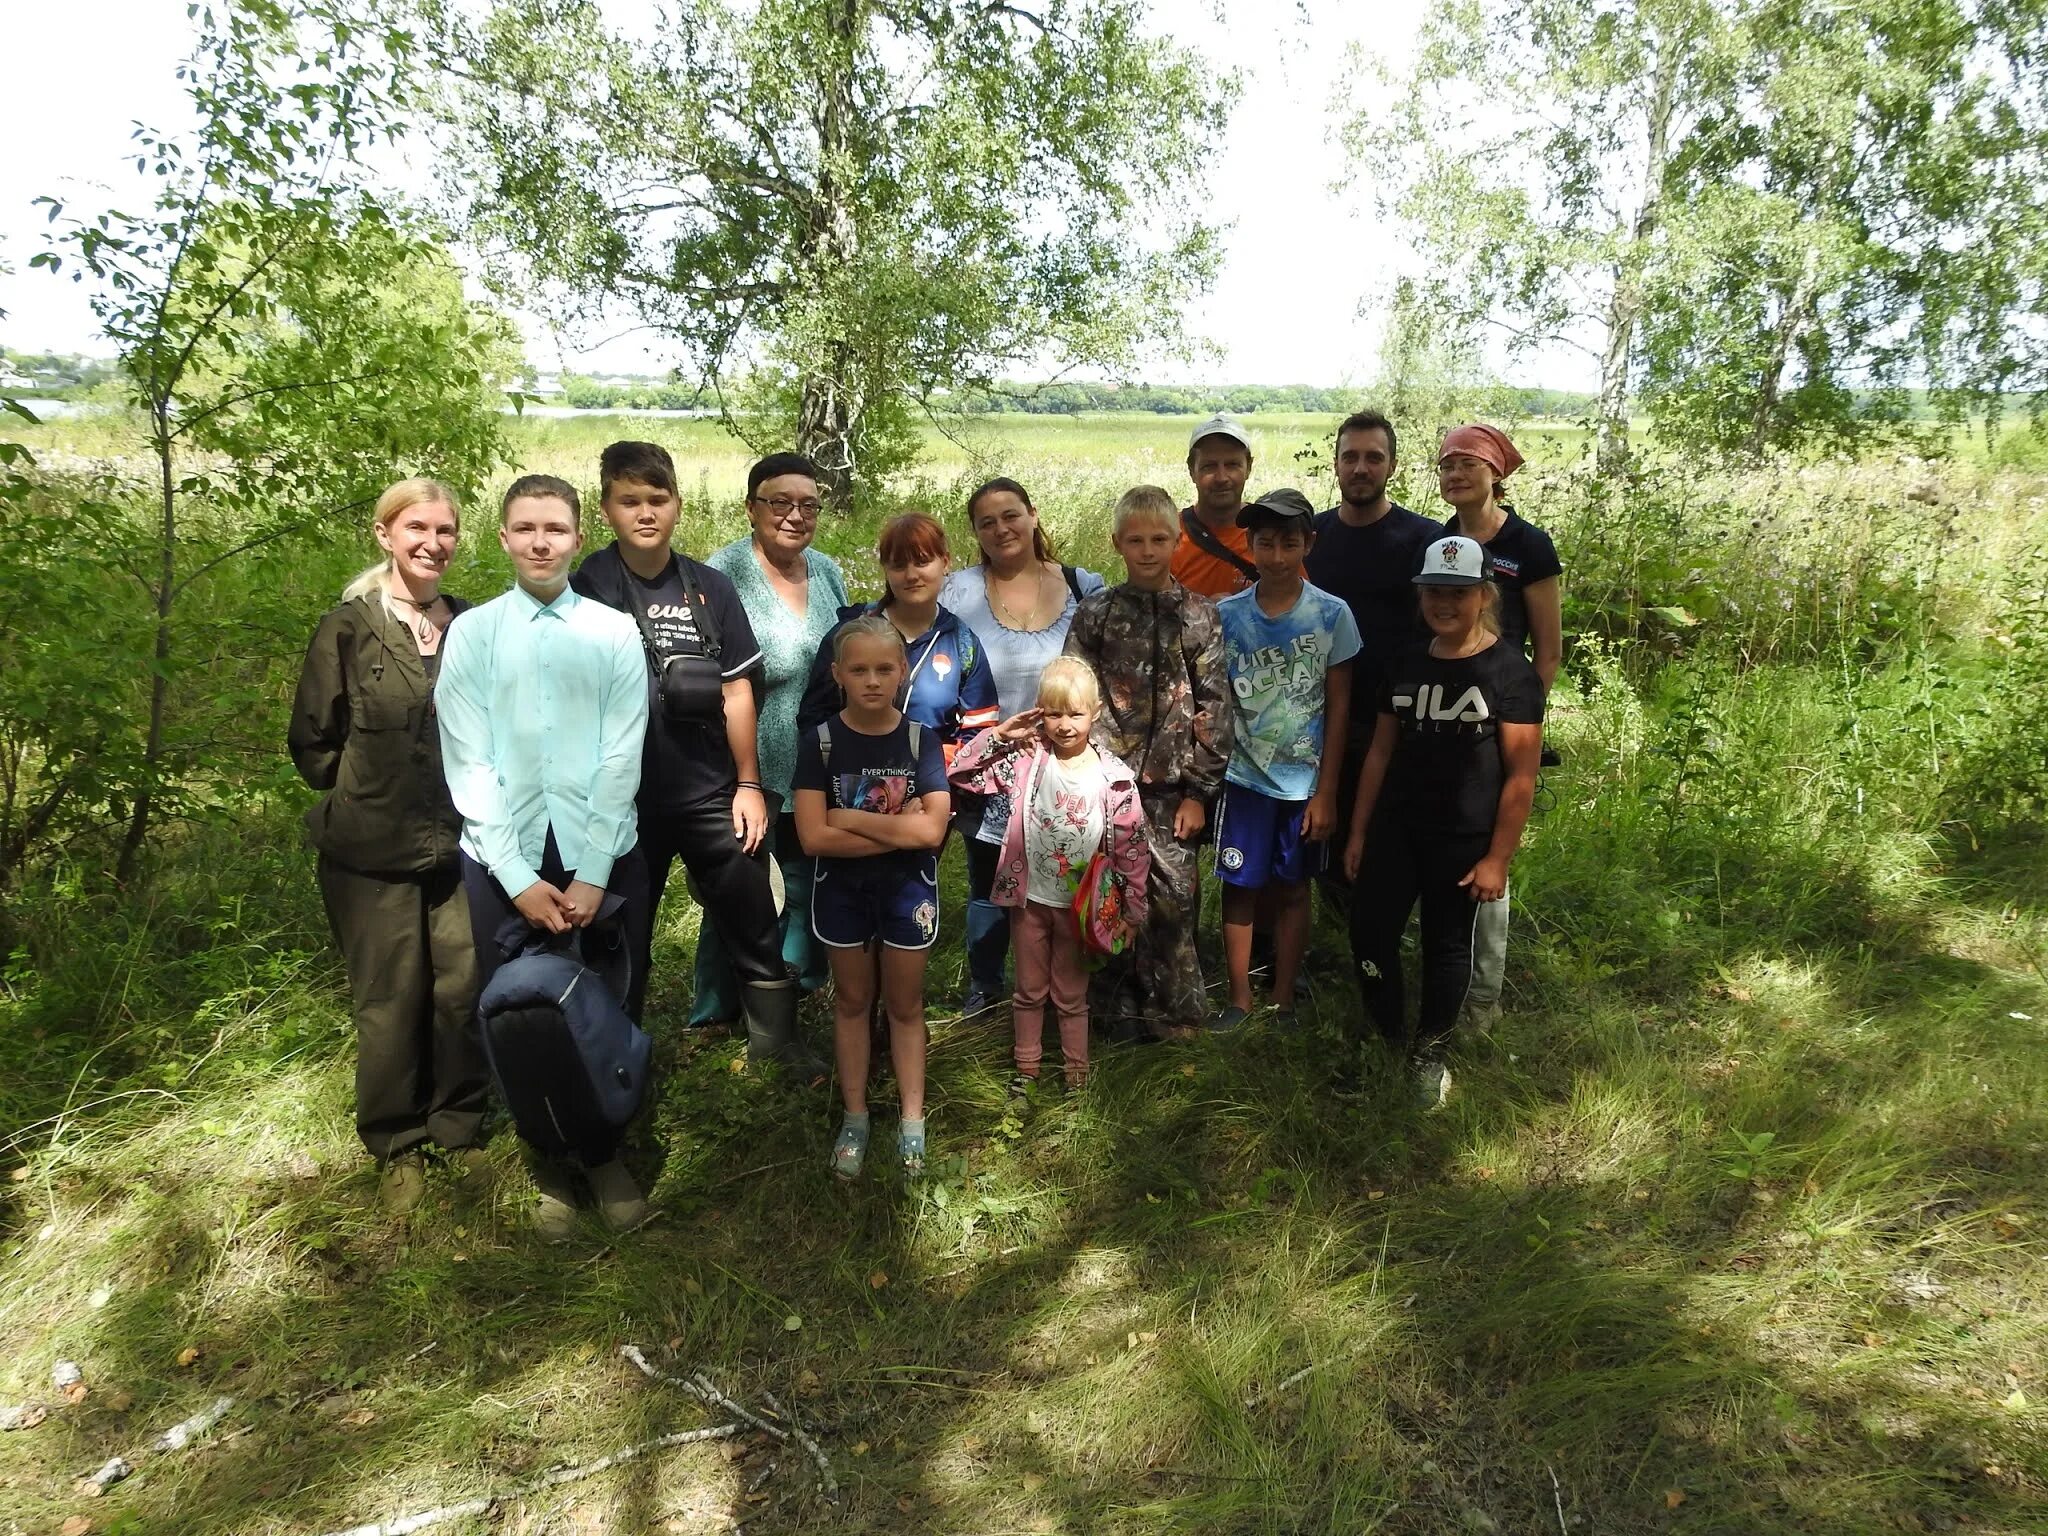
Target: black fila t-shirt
(1447,772)
(1522,555)
(683,764)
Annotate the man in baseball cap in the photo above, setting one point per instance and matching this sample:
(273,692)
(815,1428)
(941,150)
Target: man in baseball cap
(1213,556)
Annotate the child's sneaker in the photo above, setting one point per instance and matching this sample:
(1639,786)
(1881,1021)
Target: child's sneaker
(1022,1086)
(910,1147)
(1432,1083)
(850,1151)
(1230,1019)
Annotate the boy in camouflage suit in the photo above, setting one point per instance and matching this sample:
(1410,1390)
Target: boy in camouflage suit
(1158,650)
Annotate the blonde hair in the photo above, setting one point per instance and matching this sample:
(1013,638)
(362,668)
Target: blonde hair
(396,499)
(869,626)
(1068,682)
(1144,501)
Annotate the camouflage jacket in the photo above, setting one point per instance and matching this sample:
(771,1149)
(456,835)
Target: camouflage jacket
(1165,684)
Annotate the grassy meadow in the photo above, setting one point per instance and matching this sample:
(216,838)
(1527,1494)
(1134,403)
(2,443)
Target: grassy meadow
(1736,1224)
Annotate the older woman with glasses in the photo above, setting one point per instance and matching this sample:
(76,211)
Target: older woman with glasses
(792,595)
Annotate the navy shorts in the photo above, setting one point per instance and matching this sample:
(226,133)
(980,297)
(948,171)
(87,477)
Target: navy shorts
(856,901)
(1258,840)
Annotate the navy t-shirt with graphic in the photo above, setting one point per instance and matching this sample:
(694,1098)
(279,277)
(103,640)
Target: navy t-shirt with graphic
(683,764)
(1446,773)
(884,774)
(1522,555)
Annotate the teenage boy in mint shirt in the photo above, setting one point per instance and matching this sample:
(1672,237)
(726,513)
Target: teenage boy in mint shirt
(542,701)
(1289,647)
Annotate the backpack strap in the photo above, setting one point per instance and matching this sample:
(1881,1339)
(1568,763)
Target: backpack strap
(825,745)
(1199,535)
(916,745)
(1073,581)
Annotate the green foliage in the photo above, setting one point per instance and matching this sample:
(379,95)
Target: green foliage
(290,345)
(1777,217)
(876,203)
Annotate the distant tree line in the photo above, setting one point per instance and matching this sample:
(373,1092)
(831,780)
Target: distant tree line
(1205,399)
(53,375)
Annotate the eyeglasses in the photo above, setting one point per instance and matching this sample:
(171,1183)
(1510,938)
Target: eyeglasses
(784,508)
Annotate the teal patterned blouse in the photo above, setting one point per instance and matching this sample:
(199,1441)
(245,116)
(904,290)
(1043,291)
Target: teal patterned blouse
(786,647)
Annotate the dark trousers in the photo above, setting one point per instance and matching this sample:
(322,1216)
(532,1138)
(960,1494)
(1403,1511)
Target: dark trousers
(1406,864)
(732,886)
(412,981)
(491,908)
(988,925)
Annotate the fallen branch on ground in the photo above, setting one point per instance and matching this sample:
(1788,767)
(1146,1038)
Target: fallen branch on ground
(1300,1376)
(701,1387)
(405,1524)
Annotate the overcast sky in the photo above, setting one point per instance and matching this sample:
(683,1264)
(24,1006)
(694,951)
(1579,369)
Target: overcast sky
(1296,301)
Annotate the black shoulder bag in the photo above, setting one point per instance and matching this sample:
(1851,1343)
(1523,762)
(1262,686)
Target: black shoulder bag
(691,688)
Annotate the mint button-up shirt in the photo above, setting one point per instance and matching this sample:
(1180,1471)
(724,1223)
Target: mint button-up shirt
(543,708)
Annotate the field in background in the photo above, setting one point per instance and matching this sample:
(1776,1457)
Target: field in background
(1734,1226)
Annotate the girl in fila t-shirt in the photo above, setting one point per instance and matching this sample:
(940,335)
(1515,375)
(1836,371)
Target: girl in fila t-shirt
(1442,800)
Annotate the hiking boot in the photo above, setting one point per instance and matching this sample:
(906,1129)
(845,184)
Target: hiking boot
(977,1002)
(404,1184)
(1477,1021)
(772,1034)
(618,1198)
(472,1169)
(554,1215)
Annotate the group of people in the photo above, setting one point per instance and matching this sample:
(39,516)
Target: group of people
(1353,696)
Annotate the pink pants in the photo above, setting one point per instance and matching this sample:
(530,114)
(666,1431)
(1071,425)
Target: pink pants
(1048,956)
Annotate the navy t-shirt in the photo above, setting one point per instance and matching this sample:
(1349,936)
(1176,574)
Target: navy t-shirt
(1522,555)
(1373,570)
(1447,772)
(882,773)
(683,764)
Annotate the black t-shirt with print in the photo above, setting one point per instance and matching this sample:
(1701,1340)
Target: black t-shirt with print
(1522,556)
(684,764)
(1446,773)
(1373,570)
(884,774)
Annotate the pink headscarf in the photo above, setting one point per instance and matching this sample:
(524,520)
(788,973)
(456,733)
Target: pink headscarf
(1489,445)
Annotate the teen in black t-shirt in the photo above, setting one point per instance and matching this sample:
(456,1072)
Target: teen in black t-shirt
(700,798)
(1442,800)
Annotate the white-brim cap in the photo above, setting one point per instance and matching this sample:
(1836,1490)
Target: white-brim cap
(1454,562)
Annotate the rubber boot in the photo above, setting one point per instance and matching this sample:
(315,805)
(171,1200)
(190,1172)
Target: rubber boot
(770,1008)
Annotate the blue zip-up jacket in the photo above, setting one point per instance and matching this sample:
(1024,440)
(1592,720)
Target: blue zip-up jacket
(951,689)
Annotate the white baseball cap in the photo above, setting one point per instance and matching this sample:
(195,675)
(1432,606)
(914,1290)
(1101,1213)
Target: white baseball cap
(1454,562)
(1221,426)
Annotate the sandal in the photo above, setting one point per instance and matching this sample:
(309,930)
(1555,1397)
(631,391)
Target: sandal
(910,1147)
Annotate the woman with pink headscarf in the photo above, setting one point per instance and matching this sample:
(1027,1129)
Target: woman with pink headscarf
(1472,467)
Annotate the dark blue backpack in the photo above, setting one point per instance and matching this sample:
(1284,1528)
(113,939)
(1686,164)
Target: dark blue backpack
(570,1065)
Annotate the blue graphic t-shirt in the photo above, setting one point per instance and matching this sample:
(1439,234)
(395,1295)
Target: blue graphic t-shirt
(1277,672)
(886,774)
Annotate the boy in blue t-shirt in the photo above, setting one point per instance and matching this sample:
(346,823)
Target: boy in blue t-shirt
(1289,646)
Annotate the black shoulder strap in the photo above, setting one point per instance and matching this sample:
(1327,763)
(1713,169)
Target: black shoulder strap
(1209,544)
(700,604)
(1073,581)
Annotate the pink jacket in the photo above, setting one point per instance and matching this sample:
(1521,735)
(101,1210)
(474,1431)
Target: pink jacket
(988,765)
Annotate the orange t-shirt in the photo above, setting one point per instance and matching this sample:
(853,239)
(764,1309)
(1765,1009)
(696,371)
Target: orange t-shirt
(1199,571)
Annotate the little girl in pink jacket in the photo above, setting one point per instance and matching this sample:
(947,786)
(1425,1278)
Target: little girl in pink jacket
(1067,803)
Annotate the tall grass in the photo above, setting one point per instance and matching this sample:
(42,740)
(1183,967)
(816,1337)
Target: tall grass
(1733,1226)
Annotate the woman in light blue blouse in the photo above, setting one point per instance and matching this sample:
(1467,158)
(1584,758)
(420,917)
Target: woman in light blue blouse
(792,595)
(1019,601)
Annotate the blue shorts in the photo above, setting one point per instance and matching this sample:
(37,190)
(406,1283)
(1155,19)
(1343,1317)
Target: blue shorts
(856,901)
(1258,840)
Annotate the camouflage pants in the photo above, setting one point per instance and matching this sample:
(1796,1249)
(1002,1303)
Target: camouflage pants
(1157,982)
